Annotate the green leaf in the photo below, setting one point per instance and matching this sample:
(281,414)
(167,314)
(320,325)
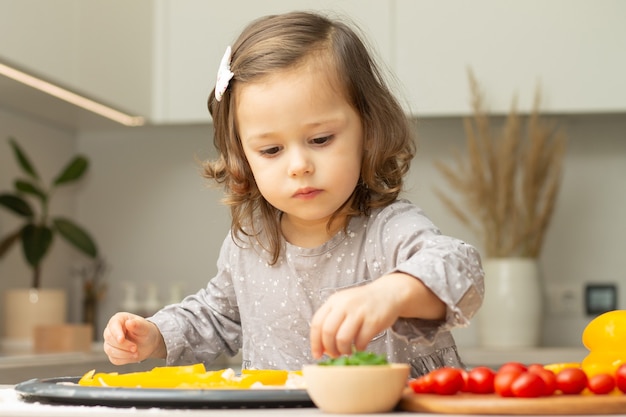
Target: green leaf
(36,241)
(22,159)
(76,236)
(8,241)
(73,171)
(30,188)
(357,358)
(16,204)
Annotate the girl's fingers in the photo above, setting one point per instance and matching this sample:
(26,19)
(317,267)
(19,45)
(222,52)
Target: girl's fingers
(346,334)
(332,323)
(317,346)
(365,334)
(119,356)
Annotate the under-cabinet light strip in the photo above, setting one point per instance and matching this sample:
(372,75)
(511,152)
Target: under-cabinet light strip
(70,97)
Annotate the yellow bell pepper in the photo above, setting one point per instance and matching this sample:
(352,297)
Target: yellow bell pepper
(605,337)
(558,367)
(186,377)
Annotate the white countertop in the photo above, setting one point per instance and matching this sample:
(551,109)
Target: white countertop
(12,405)
(543,355)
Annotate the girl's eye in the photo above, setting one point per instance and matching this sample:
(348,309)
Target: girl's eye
(321,141)
(270,151)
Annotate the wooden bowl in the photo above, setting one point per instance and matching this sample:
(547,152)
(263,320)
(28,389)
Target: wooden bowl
(356,389)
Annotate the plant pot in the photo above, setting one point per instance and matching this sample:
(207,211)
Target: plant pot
(510,316)
(24,309)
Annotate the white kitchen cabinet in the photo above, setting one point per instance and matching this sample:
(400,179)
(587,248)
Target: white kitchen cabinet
(102,49)
(159,58)
(192,36)
(573,48)
(38,36)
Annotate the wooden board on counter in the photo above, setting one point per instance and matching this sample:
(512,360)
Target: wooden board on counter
(494,404)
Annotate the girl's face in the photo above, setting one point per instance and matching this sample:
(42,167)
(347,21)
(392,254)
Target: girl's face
(303,142)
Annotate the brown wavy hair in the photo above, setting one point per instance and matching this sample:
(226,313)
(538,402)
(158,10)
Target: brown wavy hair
(277,42)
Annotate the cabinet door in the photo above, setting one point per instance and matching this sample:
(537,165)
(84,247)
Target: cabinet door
(192,36)
(38,36)
(574,49)
(98,48)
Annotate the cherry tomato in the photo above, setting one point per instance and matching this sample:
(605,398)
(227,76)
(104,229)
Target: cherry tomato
(447,381)
(465,376)
(601,384)
(422,384)
(571,381)
(503,380)
(548,378)
(513,366)
(480,380)
(528,385)
(620,378)
(535,367)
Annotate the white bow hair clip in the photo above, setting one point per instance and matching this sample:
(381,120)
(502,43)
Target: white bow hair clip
(224,75)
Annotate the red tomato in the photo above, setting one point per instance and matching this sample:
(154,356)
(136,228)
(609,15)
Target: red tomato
(503,380)
(571,381)
(620,378)
(447,381)
(528,385)
(535,367)
(548,378)
(513,366)
(465,375)
(422,385)
(480,380)
(601,384)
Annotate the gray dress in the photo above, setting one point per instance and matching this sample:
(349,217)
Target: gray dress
(265,310)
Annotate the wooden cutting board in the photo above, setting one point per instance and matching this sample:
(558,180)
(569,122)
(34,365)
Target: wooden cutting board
(494,404)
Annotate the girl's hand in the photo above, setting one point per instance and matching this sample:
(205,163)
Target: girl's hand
(130,338)
(352,317)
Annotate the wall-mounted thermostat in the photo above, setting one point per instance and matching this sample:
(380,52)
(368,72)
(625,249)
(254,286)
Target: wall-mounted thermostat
(600,298)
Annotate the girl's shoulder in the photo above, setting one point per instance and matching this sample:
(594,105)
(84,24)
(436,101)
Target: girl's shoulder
(402,211)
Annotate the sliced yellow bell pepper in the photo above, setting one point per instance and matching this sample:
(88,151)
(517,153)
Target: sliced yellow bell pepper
(265,376)
(558,367)
(186,377)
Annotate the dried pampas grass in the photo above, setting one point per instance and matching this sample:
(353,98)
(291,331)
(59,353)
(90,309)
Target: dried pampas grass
(509,181)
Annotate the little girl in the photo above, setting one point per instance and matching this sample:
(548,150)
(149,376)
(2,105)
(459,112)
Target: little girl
(323,257)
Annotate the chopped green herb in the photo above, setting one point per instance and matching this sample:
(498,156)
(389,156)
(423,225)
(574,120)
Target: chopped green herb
(357,358)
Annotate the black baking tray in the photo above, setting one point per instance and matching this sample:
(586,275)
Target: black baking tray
(63,390)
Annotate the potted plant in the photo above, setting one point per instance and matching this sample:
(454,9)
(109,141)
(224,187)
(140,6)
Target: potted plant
(508,184)
(30,201)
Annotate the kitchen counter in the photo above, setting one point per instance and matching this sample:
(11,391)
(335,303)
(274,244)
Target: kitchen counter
(12,405)
(495,357)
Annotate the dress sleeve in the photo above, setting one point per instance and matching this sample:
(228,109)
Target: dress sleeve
(205,324)
(406,241)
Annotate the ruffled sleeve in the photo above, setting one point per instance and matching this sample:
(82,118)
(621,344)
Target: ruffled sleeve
(449,267)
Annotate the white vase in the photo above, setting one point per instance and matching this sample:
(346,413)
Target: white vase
(25,309)
(510,316)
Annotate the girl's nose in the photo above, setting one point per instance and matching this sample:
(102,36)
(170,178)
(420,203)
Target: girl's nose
(299,163)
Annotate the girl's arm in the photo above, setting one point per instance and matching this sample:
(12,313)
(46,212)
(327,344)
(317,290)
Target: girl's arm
(352,317)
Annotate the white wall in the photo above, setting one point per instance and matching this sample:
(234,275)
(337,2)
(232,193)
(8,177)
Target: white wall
(156,220)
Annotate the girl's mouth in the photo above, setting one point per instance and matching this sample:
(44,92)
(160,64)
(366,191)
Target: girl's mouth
(306,193)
